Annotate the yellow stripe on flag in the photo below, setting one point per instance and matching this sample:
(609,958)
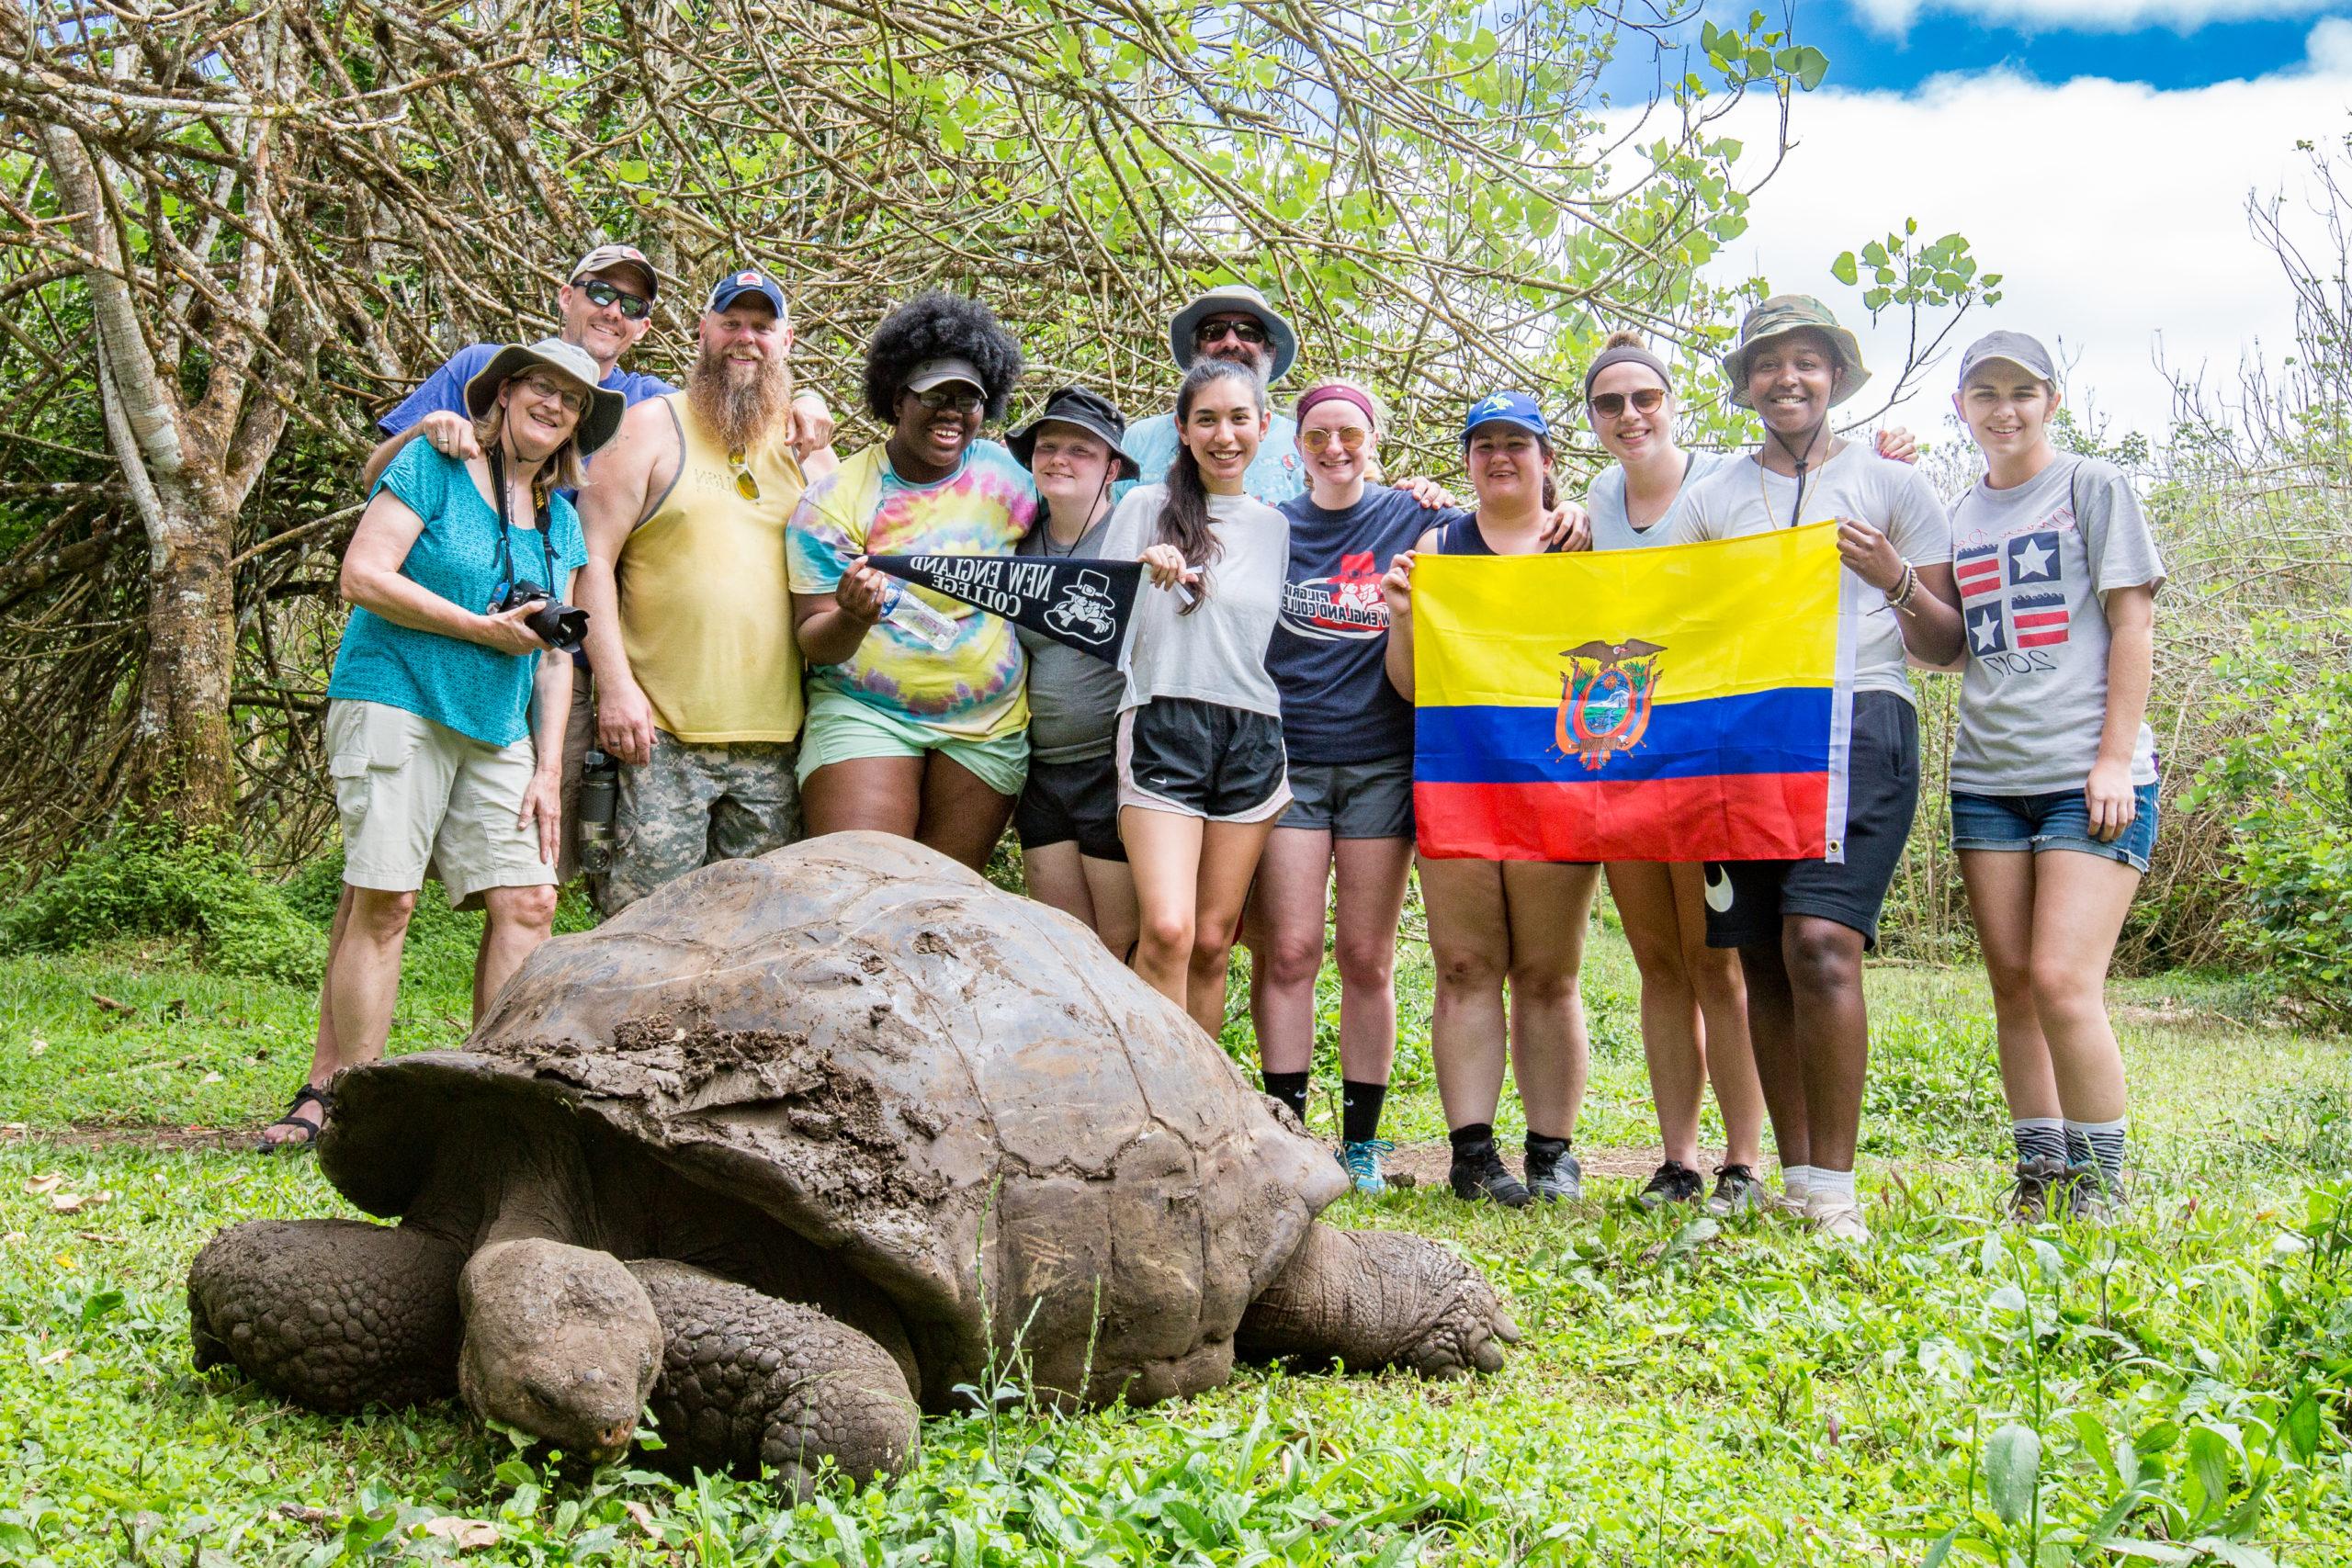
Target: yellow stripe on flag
(1738,616)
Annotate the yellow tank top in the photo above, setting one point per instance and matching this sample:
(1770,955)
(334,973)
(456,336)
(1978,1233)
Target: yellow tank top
(706,615)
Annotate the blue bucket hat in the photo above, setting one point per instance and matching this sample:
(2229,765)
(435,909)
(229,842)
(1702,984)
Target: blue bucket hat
(1518,410)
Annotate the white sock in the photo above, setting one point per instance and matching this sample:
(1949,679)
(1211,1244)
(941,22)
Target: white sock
(1833,1184)
(1796,1180)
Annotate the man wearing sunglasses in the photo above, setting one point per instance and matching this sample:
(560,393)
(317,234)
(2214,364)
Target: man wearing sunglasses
(1233,321)
(698,689)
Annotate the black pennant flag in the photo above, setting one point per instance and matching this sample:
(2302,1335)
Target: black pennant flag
(1085,604)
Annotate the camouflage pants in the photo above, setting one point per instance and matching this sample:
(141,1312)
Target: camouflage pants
(693,805)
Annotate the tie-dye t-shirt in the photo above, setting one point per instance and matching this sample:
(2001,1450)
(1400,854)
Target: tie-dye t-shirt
(977,687)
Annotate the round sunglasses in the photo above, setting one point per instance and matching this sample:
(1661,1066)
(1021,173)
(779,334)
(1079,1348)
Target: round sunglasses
(1609,405)
(1351,437)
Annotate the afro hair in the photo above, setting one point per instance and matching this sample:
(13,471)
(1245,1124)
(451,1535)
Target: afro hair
(938,325)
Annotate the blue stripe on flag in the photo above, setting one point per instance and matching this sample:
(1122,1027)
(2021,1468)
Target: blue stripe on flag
(1785,730)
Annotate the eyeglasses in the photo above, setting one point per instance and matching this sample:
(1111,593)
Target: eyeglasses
(745,485)
(963,400)
(1216,331)
(602,294)
(571,397)
(1350,436)
(1609,405)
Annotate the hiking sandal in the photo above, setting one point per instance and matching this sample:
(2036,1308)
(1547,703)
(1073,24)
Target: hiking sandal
(307,1133)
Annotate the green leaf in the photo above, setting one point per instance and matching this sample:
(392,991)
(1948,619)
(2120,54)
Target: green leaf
(2012,1469)
(2303,1428)
(1843,269)
(1813,66)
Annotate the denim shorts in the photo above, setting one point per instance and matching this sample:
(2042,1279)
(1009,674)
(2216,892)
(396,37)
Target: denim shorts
(2059,820)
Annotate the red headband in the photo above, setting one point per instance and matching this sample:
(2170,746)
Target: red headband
(1334,392)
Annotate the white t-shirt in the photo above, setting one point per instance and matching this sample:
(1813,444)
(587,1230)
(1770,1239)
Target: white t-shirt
(1216,654)
(1744,497)
(1612,526)
(2035,564)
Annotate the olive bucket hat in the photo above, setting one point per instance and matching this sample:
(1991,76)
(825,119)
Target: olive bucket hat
(599,423)
(1778,317)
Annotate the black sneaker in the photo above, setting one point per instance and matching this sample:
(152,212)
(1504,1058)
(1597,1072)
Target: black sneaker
(1674,1183)
(1739,1190)
(2037,1180)
(1480,1176)
(1556,1177)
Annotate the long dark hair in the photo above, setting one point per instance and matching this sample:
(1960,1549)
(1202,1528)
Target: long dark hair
(1185,520)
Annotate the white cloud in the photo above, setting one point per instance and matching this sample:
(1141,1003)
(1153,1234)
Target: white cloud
(2115,213)
(2084,15)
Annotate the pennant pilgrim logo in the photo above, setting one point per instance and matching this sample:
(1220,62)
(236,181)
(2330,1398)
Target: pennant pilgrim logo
(1606,695)
(1086,613)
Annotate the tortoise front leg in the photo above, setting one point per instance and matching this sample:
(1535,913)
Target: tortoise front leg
(748,1381)
(1378,1299)
(331,1314)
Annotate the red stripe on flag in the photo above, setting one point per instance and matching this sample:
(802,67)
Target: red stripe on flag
(2026,619)
(1979,577)
(1740,816)
(2042,639)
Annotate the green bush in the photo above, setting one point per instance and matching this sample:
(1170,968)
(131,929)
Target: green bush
(141,882)
(2285,779)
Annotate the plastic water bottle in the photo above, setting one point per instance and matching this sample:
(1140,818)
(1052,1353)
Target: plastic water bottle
(917,618)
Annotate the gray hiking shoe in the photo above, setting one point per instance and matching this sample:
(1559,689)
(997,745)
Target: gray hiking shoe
(1555,1177)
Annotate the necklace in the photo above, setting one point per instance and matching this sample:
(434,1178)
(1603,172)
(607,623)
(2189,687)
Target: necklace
(1797,507)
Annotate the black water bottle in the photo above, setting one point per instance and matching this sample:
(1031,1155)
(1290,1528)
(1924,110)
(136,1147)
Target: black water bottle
(600,778)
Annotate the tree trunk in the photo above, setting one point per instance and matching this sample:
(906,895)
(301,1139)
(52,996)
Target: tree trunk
(181,765)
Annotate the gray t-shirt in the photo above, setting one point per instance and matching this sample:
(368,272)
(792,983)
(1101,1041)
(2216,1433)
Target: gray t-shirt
(1743,497)
(2034,565)
(1216,654)
(1073,696)
(1612,529)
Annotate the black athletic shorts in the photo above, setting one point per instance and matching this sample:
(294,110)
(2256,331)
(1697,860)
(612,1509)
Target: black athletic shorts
(1079,800)
(1203,760)
(1746,898)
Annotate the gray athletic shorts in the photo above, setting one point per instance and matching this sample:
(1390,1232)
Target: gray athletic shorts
(1353,800)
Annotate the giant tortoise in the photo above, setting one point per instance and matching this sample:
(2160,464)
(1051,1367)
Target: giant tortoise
(798,1147)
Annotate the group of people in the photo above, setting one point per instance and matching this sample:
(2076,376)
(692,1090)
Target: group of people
(1244,773)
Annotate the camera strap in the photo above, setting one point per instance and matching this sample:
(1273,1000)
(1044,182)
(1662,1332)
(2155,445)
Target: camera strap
(506,528)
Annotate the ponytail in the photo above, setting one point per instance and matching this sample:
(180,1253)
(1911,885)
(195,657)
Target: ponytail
(1185,519)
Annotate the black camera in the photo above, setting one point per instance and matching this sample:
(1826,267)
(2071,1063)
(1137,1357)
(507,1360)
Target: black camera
(559,626)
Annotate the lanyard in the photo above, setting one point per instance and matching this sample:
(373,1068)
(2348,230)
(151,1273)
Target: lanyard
(506,529)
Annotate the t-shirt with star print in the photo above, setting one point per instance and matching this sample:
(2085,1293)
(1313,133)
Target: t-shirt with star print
(2034,564)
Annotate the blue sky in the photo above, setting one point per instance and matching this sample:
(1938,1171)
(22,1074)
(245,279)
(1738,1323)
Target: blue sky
(1862,58)
(2098,153)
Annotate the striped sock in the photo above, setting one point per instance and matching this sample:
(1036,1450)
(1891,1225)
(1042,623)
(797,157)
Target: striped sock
(2079,1145)
(2104,1141)
(2042,1137)
(1796,1180)
(1833,1184)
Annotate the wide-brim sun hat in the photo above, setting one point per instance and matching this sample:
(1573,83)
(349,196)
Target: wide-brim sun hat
(1229,297)
(1778,317)
(599,422)
(1083,410)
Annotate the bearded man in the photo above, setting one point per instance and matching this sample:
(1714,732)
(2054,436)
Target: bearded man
(689,627)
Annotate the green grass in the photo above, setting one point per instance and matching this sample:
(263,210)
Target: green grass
(1684,1394)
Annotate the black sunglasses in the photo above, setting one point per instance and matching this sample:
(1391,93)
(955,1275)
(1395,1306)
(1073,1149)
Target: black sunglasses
(1211,332)
(963,400)
(601,294)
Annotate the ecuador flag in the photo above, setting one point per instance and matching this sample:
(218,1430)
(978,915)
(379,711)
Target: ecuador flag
(1685,703)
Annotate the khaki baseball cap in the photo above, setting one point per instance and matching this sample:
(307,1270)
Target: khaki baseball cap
(605,257)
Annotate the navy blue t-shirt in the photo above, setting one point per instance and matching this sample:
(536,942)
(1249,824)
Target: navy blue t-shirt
(1329,644)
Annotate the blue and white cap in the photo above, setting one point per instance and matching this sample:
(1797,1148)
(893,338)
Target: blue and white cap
(1519,410)
(748,280)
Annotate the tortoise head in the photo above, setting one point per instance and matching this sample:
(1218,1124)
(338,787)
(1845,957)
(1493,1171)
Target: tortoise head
(560,1342)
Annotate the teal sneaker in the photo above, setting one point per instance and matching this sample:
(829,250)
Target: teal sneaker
(1362,1162)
